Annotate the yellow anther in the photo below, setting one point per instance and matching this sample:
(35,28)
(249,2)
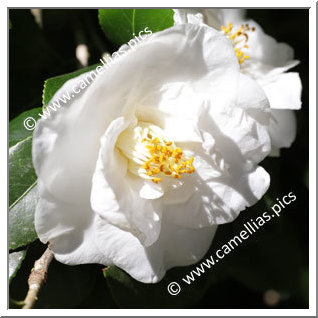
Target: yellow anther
(156,180)
(155,170)
(241,35)
(161,157)
(151,156)
(178,167)
(177,153)
(191,169)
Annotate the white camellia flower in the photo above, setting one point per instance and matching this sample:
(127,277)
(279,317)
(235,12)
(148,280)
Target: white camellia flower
(140,168)
(264,59)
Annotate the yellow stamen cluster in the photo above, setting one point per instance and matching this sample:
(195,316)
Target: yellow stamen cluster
(165,160)
(240,36)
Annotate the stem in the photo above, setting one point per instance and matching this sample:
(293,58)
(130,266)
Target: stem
(37,278)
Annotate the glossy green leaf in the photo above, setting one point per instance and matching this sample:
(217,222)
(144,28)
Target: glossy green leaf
(17,130)
(15,261)
(22,181)
(53,84)
(21,219)
(21,171)
(121,25)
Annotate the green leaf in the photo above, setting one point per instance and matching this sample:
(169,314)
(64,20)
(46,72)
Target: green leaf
(21,219)
(22,180)
(21,171)
(121,25)
(15,304)
(17,130)
(15,261)
(53,84)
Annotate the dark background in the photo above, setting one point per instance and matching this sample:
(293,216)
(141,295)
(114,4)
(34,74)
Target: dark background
(274,259)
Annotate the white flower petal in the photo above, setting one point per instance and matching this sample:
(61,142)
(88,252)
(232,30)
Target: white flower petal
(114,194)
(176,246)
(220,200)
(177,128)
(284,91)
(79,124)
(282,129)
(234,194)
(214,18)
(241,127)
(235,16)
(193,16)
(265,73)
(68,229)
(65,145)
(203,66)
(265,49)
(181,194)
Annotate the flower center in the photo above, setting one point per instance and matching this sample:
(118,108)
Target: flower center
(238,39)
(151,155)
